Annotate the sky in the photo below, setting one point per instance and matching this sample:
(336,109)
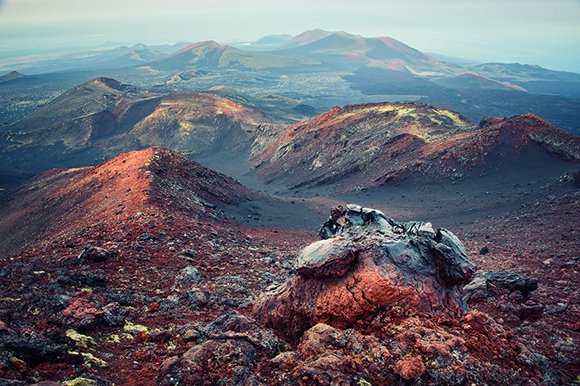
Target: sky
(544,32)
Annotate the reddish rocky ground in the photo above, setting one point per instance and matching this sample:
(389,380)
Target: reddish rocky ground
(135,210)
(541,240)
(159,302)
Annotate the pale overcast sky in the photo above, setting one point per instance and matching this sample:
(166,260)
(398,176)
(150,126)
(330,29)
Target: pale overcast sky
(545,32)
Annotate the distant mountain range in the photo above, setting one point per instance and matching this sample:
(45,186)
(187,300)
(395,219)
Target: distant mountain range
(310,72)
(310,48)
(362,146)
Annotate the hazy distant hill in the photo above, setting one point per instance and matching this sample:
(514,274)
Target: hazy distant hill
(352,51)
(266,43)
(533,78)
(12,75)
(476,82)
(212,55)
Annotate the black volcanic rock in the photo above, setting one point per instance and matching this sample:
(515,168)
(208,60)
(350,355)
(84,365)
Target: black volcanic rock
(479,287)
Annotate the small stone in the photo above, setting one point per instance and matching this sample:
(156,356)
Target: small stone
(196,299)
(154,307)
(531,310)
(556,308)
(573,326)
(187,277)
(191,335)
(477,288)
(95,254)
(410,367)
(484,250)
(188,253)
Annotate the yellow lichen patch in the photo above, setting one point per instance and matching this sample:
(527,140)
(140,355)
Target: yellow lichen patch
(90,359)
(185,127)
(130,327)
(317,163)
(171,346)
(114,338)
(228,107)
(80,382)
(418,131)
(457,120)
(400,110)
(80,339)
(372,149)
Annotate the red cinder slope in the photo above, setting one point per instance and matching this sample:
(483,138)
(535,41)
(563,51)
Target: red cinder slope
(369,145)
(62,202)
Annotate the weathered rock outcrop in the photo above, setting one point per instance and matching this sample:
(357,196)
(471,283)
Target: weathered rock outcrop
(504,294)
(486,281)
(371,264)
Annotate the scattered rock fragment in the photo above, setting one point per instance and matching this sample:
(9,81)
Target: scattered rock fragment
(233,346)
(95,254)
(187,277)
(33,349)
(81,311)
(410,367)
(489,283)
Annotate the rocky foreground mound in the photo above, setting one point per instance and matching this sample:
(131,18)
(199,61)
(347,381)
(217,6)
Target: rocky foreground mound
(372,264)
(375,303)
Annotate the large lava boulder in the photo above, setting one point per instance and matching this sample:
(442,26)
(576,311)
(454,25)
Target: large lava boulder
(367,264)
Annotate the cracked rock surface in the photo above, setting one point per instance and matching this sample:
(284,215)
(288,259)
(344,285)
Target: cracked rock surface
(369,264)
